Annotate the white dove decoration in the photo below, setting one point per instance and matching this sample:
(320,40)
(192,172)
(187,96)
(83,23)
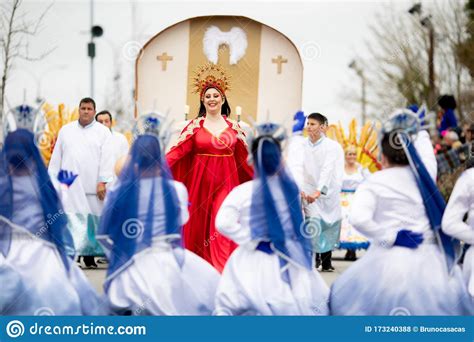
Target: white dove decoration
(235,39)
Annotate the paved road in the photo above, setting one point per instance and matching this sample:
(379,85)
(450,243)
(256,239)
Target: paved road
(97,276)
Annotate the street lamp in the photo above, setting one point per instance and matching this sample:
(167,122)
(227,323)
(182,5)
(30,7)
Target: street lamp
(96,31)
(426,22)
(353,65)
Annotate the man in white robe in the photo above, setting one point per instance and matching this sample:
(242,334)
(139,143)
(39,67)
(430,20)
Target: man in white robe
(323,169)
(84,148)
(119,141)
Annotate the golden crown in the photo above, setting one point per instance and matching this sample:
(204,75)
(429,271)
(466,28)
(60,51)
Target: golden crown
(211,76)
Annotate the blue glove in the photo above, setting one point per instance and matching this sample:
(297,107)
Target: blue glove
(409,239)
(66,177)
(299,121)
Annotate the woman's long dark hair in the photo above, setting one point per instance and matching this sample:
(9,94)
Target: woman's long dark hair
(225,111)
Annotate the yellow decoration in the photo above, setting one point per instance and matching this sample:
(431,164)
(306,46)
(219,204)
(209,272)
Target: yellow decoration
(366,146)
(55,119)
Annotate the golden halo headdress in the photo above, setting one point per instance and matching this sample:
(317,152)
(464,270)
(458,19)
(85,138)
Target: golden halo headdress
(211,76)
(366,146)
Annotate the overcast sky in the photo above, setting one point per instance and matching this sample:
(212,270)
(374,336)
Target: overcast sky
(328,33)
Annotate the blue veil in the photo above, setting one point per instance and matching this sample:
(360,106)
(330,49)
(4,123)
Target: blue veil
(265,222)
(407,124)
(123,231)
(20,156)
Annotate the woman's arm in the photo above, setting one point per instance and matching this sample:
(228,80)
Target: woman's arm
(179,151)
(228,216)
(244,170)
(362,212)
(461,198)
(179,157)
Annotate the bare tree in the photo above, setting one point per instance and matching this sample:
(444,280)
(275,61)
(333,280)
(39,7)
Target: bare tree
(398,64)
(396,67)
(465,50)
(451,21)
(17,26)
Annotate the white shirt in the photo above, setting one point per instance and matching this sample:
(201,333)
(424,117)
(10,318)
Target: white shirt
(323,170)
(233,217)
(389,200)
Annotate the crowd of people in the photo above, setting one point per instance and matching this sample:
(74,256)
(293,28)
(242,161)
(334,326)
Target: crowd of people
(453,137)
(225,224)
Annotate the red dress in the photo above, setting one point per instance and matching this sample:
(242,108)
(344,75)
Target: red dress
(210,166)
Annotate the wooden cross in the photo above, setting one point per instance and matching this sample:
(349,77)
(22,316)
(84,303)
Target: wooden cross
(164,59)
(279,61)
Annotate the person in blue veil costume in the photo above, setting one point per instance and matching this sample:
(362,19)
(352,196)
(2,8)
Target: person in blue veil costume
(270,273)
(410,267)
(150,273)
(34,240)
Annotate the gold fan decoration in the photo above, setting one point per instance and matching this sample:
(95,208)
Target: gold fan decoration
(367,148)
(55,119)
(211,76)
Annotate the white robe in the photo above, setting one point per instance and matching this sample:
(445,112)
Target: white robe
(323,170)
(154,283)
(120,145)
(43,285)
(251,282)
(87,152)
(391,280)
(460,203)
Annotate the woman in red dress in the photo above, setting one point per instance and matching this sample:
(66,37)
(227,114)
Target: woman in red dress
(210,158)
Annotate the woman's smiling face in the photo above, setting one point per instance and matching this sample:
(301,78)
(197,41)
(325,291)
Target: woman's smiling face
(213,101)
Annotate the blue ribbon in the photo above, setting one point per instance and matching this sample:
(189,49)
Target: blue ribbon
(433,201)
